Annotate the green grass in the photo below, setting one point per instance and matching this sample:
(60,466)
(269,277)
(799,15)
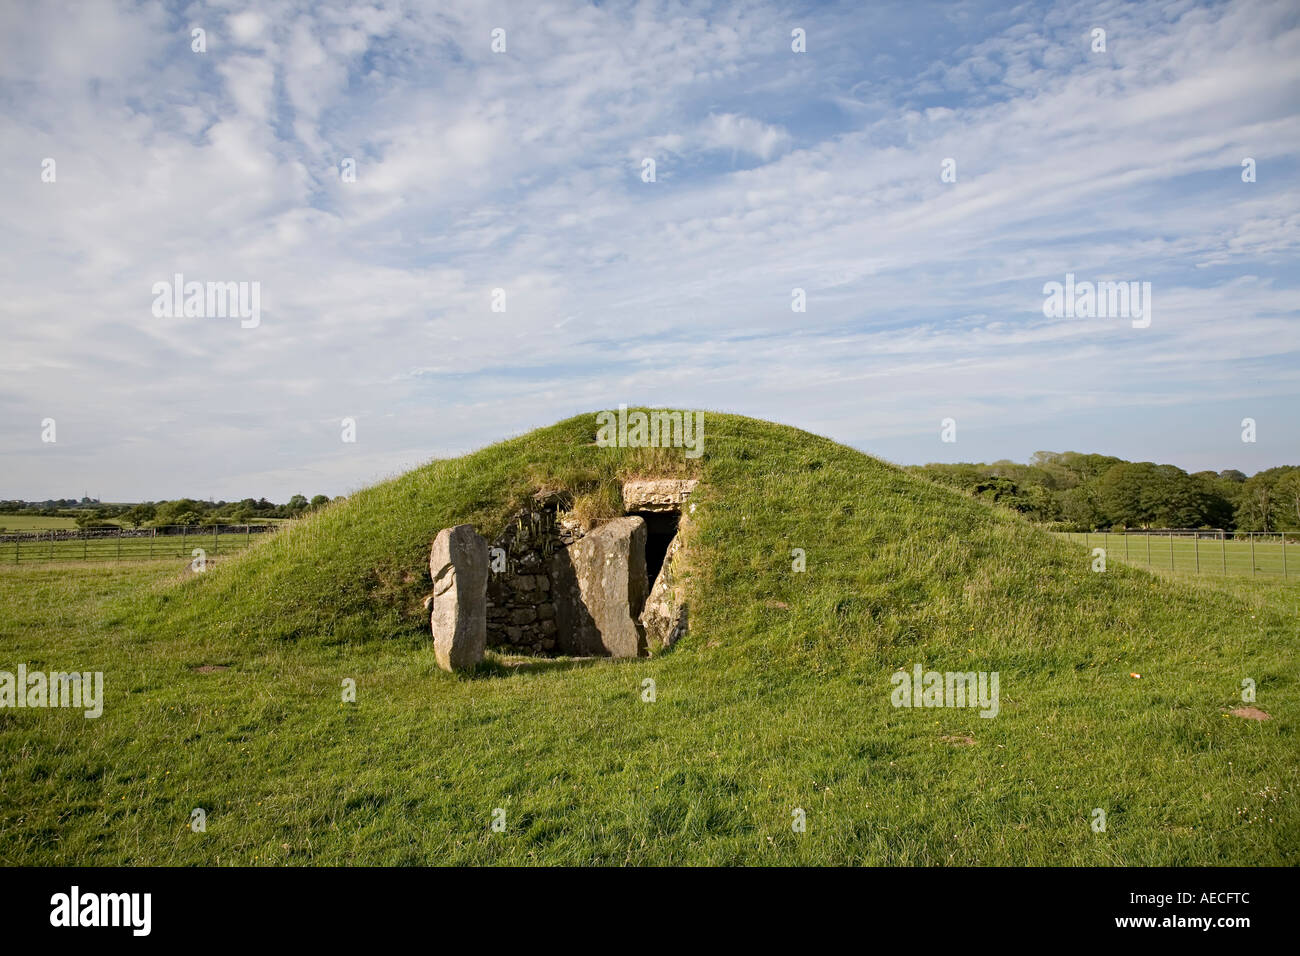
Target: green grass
(1265,558)
(36,523)
(779,697)
(109,547)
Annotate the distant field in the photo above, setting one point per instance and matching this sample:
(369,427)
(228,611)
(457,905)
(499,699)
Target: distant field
(39,523)
(35,523)
(1206,555)
(109,547)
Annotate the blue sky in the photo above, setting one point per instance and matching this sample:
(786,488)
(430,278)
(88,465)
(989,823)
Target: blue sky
(521,170)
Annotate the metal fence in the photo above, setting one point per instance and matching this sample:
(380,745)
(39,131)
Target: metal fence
(119,544)
(1254,553)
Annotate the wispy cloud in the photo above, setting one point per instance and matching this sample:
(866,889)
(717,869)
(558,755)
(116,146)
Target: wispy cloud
(521,171)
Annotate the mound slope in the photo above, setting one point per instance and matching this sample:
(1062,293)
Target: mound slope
(892,560)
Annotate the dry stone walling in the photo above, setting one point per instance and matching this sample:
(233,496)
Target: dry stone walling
(548,586)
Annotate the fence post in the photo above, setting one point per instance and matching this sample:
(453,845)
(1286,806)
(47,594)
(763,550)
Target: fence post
(184,529)
(1223,542)
(1252,554)
(214,538)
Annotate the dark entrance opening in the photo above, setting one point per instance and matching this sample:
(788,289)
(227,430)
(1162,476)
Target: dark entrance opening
(661,528)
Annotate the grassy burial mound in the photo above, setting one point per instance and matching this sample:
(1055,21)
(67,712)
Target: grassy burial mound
(767,734)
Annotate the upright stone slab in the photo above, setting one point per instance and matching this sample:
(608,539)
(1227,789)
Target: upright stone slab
(458,564)
(599,586)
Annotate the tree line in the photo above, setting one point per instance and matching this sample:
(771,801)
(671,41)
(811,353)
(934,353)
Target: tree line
(92,513)
(1072,491)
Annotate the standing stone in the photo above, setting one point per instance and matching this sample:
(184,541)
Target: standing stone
(458,564)
(599,589)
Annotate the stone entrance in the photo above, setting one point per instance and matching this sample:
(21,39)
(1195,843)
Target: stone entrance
(663,503)
(554,588)
(661,529)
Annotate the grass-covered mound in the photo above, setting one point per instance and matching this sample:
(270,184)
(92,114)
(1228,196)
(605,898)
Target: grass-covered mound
(779,697)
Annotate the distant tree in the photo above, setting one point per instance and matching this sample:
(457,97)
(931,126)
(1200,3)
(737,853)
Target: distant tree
(296,506)
(1079,508)
(1118,494)
(179,510)
(92,519)
(1287,492)
(1038,503)
(141,514)
(1051,464)
(1087,467)
(1177,501)
(1218,498)
(1092,491)
(1002,490)
(319,501)
(1257,506)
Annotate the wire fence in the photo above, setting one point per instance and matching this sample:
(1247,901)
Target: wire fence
(1251,553)
(121,544)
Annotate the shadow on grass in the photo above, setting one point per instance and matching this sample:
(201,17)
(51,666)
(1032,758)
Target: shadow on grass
(495,667)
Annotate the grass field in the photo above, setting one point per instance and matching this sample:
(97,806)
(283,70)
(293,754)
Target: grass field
(1199,555)
(778,699)
(36,523)
(40,523)
(110,547)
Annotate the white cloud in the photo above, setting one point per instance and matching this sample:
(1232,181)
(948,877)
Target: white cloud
(521,171)
(731,131)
